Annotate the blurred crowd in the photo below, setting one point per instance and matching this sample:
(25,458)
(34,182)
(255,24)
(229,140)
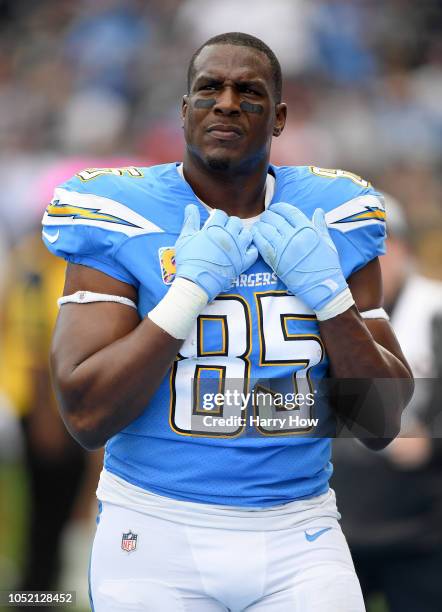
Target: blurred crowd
(363,80)
(99,83)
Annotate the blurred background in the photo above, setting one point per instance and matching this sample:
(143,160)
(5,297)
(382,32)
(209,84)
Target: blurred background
(98,83)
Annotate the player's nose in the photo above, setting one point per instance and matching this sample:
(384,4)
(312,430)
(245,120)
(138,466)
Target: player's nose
(227,102)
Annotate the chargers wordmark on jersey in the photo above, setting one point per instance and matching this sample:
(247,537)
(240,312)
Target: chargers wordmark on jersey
(127,228)
(166,256)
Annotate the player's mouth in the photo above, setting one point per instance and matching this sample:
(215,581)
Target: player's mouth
(222,131)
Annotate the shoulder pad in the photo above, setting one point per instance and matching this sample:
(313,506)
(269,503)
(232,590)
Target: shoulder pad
(85,223)
(92,197)
(103,181)
(354,211)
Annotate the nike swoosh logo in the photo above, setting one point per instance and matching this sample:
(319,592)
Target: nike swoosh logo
(311,537)
(51,238)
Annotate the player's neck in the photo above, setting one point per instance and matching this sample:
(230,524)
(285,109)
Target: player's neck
(242,195)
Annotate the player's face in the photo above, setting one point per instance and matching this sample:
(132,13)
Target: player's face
(230,114)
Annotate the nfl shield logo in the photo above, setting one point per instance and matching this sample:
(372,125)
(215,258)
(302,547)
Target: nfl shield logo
(129,541)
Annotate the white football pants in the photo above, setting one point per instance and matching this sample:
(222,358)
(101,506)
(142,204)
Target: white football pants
(293,558)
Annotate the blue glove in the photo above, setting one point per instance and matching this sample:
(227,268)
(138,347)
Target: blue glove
(213,256)
(301,253)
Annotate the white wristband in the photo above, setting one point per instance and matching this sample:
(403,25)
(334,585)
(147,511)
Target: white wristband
(375,313)
(177,312)
(88,297)
(339,304)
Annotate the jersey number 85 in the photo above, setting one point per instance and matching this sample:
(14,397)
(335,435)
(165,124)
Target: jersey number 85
(200,373)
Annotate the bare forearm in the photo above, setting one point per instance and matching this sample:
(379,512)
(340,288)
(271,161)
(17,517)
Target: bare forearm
(354,353)
(111,387)
(374,384)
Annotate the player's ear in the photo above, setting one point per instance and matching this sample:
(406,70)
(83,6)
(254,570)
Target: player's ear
(280,118)
(184,106)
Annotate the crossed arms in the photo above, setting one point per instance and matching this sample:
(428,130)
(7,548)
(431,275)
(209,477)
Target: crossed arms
(107,363)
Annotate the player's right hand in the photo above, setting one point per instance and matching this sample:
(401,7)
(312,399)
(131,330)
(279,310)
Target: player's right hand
(213,256)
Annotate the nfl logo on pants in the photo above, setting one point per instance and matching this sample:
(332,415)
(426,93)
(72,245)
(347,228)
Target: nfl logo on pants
(129,541)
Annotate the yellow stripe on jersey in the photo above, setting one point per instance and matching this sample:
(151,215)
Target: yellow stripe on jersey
(370,214)
(375,214)
(79,212)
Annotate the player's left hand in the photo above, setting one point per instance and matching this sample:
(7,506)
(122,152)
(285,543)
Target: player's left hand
(301,253)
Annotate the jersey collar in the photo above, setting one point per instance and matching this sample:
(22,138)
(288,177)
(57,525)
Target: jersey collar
(270,190)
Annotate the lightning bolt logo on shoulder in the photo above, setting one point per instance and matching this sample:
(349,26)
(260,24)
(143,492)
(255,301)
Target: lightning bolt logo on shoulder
(56,209)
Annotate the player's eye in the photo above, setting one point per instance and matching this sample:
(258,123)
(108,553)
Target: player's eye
(250,91)
(208,87)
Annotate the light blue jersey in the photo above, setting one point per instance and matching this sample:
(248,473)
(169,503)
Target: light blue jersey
(253,337)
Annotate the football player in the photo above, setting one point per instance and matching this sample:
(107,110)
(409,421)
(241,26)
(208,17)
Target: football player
(222,273)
